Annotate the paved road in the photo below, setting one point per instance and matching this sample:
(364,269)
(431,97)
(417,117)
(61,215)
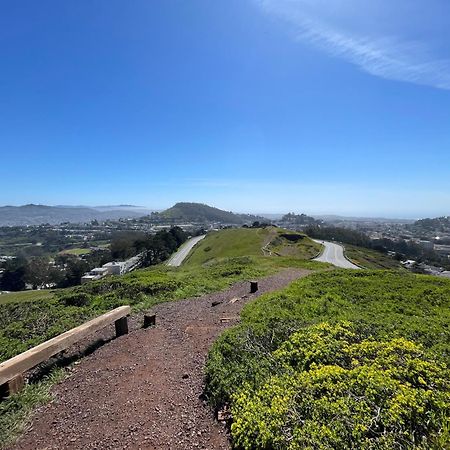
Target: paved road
(334,254)
(177,258)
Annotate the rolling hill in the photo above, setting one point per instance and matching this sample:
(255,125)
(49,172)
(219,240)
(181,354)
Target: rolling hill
(198,212)
(40,214)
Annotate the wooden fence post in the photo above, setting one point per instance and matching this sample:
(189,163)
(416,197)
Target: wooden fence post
(12,386)
(121,326)
(16,384)
(149,321)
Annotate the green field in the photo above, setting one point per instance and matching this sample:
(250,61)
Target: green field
(370,259)
(76,251)
(339,359)
(25,296)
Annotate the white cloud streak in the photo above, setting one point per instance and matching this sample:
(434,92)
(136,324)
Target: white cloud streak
(396,57)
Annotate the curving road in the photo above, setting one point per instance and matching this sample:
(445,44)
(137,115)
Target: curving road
(334,254)
(177,258)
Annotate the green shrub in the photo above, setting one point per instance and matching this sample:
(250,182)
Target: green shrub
(279,352)
(332,390)
(76,299)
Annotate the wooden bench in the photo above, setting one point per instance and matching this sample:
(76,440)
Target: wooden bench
(12,370)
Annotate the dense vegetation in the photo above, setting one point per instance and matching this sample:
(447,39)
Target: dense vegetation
(339,360)
(155,248)
(370,259)
(294,244)
(27,319)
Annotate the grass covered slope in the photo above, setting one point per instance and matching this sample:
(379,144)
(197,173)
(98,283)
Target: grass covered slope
(229,243)
(290,243)
(252,242)
(25,296)
(339,360)
(26,323)
(29,318)
(370,259)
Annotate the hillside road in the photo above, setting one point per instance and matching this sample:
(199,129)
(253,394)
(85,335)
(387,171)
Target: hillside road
(177,258)
(334,254)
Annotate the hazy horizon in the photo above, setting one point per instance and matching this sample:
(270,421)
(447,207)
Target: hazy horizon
(318,212)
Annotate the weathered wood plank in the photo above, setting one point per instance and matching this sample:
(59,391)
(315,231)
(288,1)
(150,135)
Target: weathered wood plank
(27,360)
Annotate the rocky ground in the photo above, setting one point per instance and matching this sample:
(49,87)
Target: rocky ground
(144,390)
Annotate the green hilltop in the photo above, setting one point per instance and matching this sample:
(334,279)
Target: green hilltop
(254,242)
(199,212)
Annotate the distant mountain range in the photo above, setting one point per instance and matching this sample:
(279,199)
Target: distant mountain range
(40,214)
(180,212)
(198,212)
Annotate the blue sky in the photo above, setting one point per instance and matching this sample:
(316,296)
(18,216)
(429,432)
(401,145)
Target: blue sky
(317,106)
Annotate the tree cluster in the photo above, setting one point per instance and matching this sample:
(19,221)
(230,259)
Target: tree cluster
(37,271)
(300,219)
(154,248)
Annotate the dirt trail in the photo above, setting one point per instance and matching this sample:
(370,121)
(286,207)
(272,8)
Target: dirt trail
(142,390)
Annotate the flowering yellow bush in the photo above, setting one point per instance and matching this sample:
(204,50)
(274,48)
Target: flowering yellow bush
(331,390)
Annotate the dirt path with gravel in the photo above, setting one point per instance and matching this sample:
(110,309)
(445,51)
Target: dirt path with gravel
(143,390)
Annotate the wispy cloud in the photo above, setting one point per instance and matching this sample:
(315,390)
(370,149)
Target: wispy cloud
(396,56)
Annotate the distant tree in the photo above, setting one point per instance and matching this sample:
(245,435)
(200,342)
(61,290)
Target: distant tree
(40,272)
(178,234)
(74,271)
(13,278)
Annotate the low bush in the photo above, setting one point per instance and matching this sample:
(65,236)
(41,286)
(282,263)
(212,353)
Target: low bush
(75,299)
(331,390)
